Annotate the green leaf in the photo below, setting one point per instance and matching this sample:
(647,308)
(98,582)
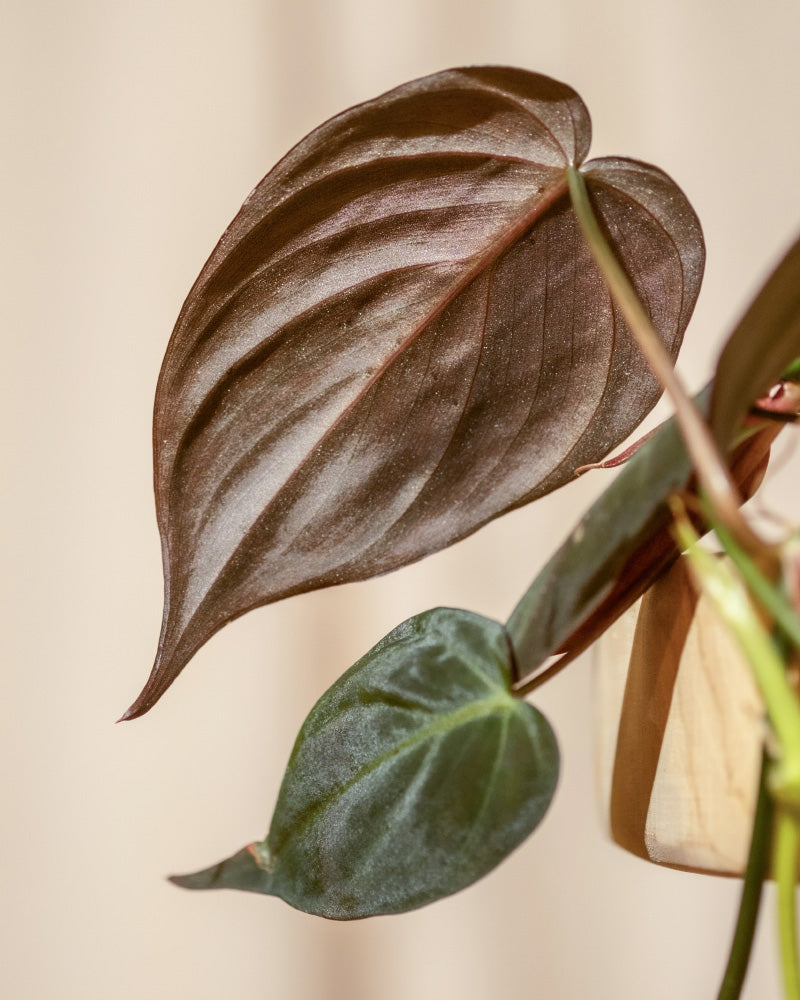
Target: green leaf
(792,370)
(764,345)
(413,776)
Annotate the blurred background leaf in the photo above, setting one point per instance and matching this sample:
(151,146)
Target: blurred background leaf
(765,342)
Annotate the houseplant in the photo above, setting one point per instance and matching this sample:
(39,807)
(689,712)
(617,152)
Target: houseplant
(405,332)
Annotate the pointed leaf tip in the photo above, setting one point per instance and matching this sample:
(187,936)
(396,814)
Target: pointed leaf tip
(400,337)
(241,871)
(156,685)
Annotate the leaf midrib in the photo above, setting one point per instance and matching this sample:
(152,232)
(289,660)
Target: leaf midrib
(500,702)
(543,202)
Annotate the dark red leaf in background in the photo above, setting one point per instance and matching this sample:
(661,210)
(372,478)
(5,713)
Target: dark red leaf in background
(765,341)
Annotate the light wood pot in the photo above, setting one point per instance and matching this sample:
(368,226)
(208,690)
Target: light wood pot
(680,733)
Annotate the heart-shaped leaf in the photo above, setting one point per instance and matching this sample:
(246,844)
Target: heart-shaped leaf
(765,342)
(413,776)
(400,336)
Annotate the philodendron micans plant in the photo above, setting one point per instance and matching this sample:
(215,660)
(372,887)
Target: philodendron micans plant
(433,310)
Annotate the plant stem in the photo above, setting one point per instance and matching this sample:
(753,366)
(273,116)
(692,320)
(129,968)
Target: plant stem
(711,469)
(787,841)
(729,595)
(750,902)
(769,596)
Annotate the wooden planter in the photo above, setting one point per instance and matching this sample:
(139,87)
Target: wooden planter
(680,734)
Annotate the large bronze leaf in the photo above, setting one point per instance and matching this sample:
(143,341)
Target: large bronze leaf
(400,336)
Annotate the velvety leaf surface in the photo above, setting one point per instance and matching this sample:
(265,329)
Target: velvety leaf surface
(765,342)
(618,547)
(413,776)
(400,336)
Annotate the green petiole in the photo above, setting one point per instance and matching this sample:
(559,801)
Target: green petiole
(750,903)
(711,469)
(787,841)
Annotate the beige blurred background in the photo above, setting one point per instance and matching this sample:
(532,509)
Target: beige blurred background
(132,133)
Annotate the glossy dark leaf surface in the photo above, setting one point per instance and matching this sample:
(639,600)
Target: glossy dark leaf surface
(401,336)
(765,342)
(618,547)
(413,776)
